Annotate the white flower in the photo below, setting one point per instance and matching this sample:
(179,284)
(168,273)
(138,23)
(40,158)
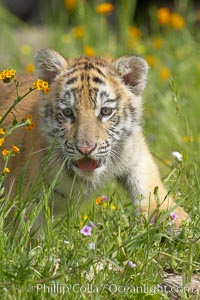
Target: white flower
(177,155)
(91,246)
(54,259)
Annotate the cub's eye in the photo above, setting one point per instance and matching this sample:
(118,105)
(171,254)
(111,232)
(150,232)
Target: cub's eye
(106,111)
(68,113)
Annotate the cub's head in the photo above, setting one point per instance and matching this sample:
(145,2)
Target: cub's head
(93,107)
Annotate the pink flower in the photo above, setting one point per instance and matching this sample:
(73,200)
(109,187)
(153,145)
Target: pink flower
(131,264)
(173,215)
(86,230)
(152,221)
(91,224)
(104,198)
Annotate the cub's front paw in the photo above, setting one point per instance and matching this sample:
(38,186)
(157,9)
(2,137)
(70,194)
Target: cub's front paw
(177,217)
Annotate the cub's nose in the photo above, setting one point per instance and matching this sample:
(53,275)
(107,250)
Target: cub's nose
(85,148)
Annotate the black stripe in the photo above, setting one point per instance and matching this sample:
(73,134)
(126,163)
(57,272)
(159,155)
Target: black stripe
(100,64)
(110,101)
(73,71)
(132,109)
(98,80)
(82,76)
(71,80)
(85,68)
(92,96)
(60,194)
(115,119)
(104,94)
(67,95)
(99,71)
(79,63)
(88,66)
(48,111)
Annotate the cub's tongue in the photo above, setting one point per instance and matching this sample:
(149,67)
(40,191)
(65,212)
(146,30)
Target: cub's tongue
(87,164)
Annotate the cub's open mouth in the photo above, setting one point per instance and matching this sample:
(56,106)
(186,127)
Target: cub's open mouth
(87,164)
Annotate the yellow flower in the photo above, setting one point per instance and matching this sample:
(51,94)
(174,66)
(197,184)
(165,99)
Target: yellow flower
(30,68)
(70,4)
(26,49)
(166,162)
(29,122)
(78,32)
(135,35)
(135,32)
(89,51)
(5,152)
(165,73)
(1,141)
(151,60)
(7,75)
(157,43)
(2,131)
(105,204)
(164,16)
(113,207)
(85,217)
(30,126)
(177,21)
(99,200)
(6,170)
(41,85)
(188,139)
(139,48)
(104,8)
(29,118)
(15,149)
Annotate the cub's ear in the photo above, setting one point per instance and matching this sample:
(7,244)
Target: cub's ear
(133,71)
(48,64)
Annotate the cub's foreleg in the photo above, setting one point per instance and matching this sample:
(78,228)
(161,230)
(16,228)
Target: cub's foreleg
(146,188)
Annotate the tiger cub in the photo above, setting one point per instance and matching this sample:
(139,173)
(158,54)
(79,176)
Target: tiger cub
(92,114)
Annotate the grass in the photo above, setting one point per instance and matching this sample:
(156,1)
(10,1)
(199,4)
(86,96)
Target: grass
(63,263)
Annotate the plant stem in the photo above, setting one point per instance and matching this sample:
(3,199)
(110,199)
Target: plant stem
(16,101)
